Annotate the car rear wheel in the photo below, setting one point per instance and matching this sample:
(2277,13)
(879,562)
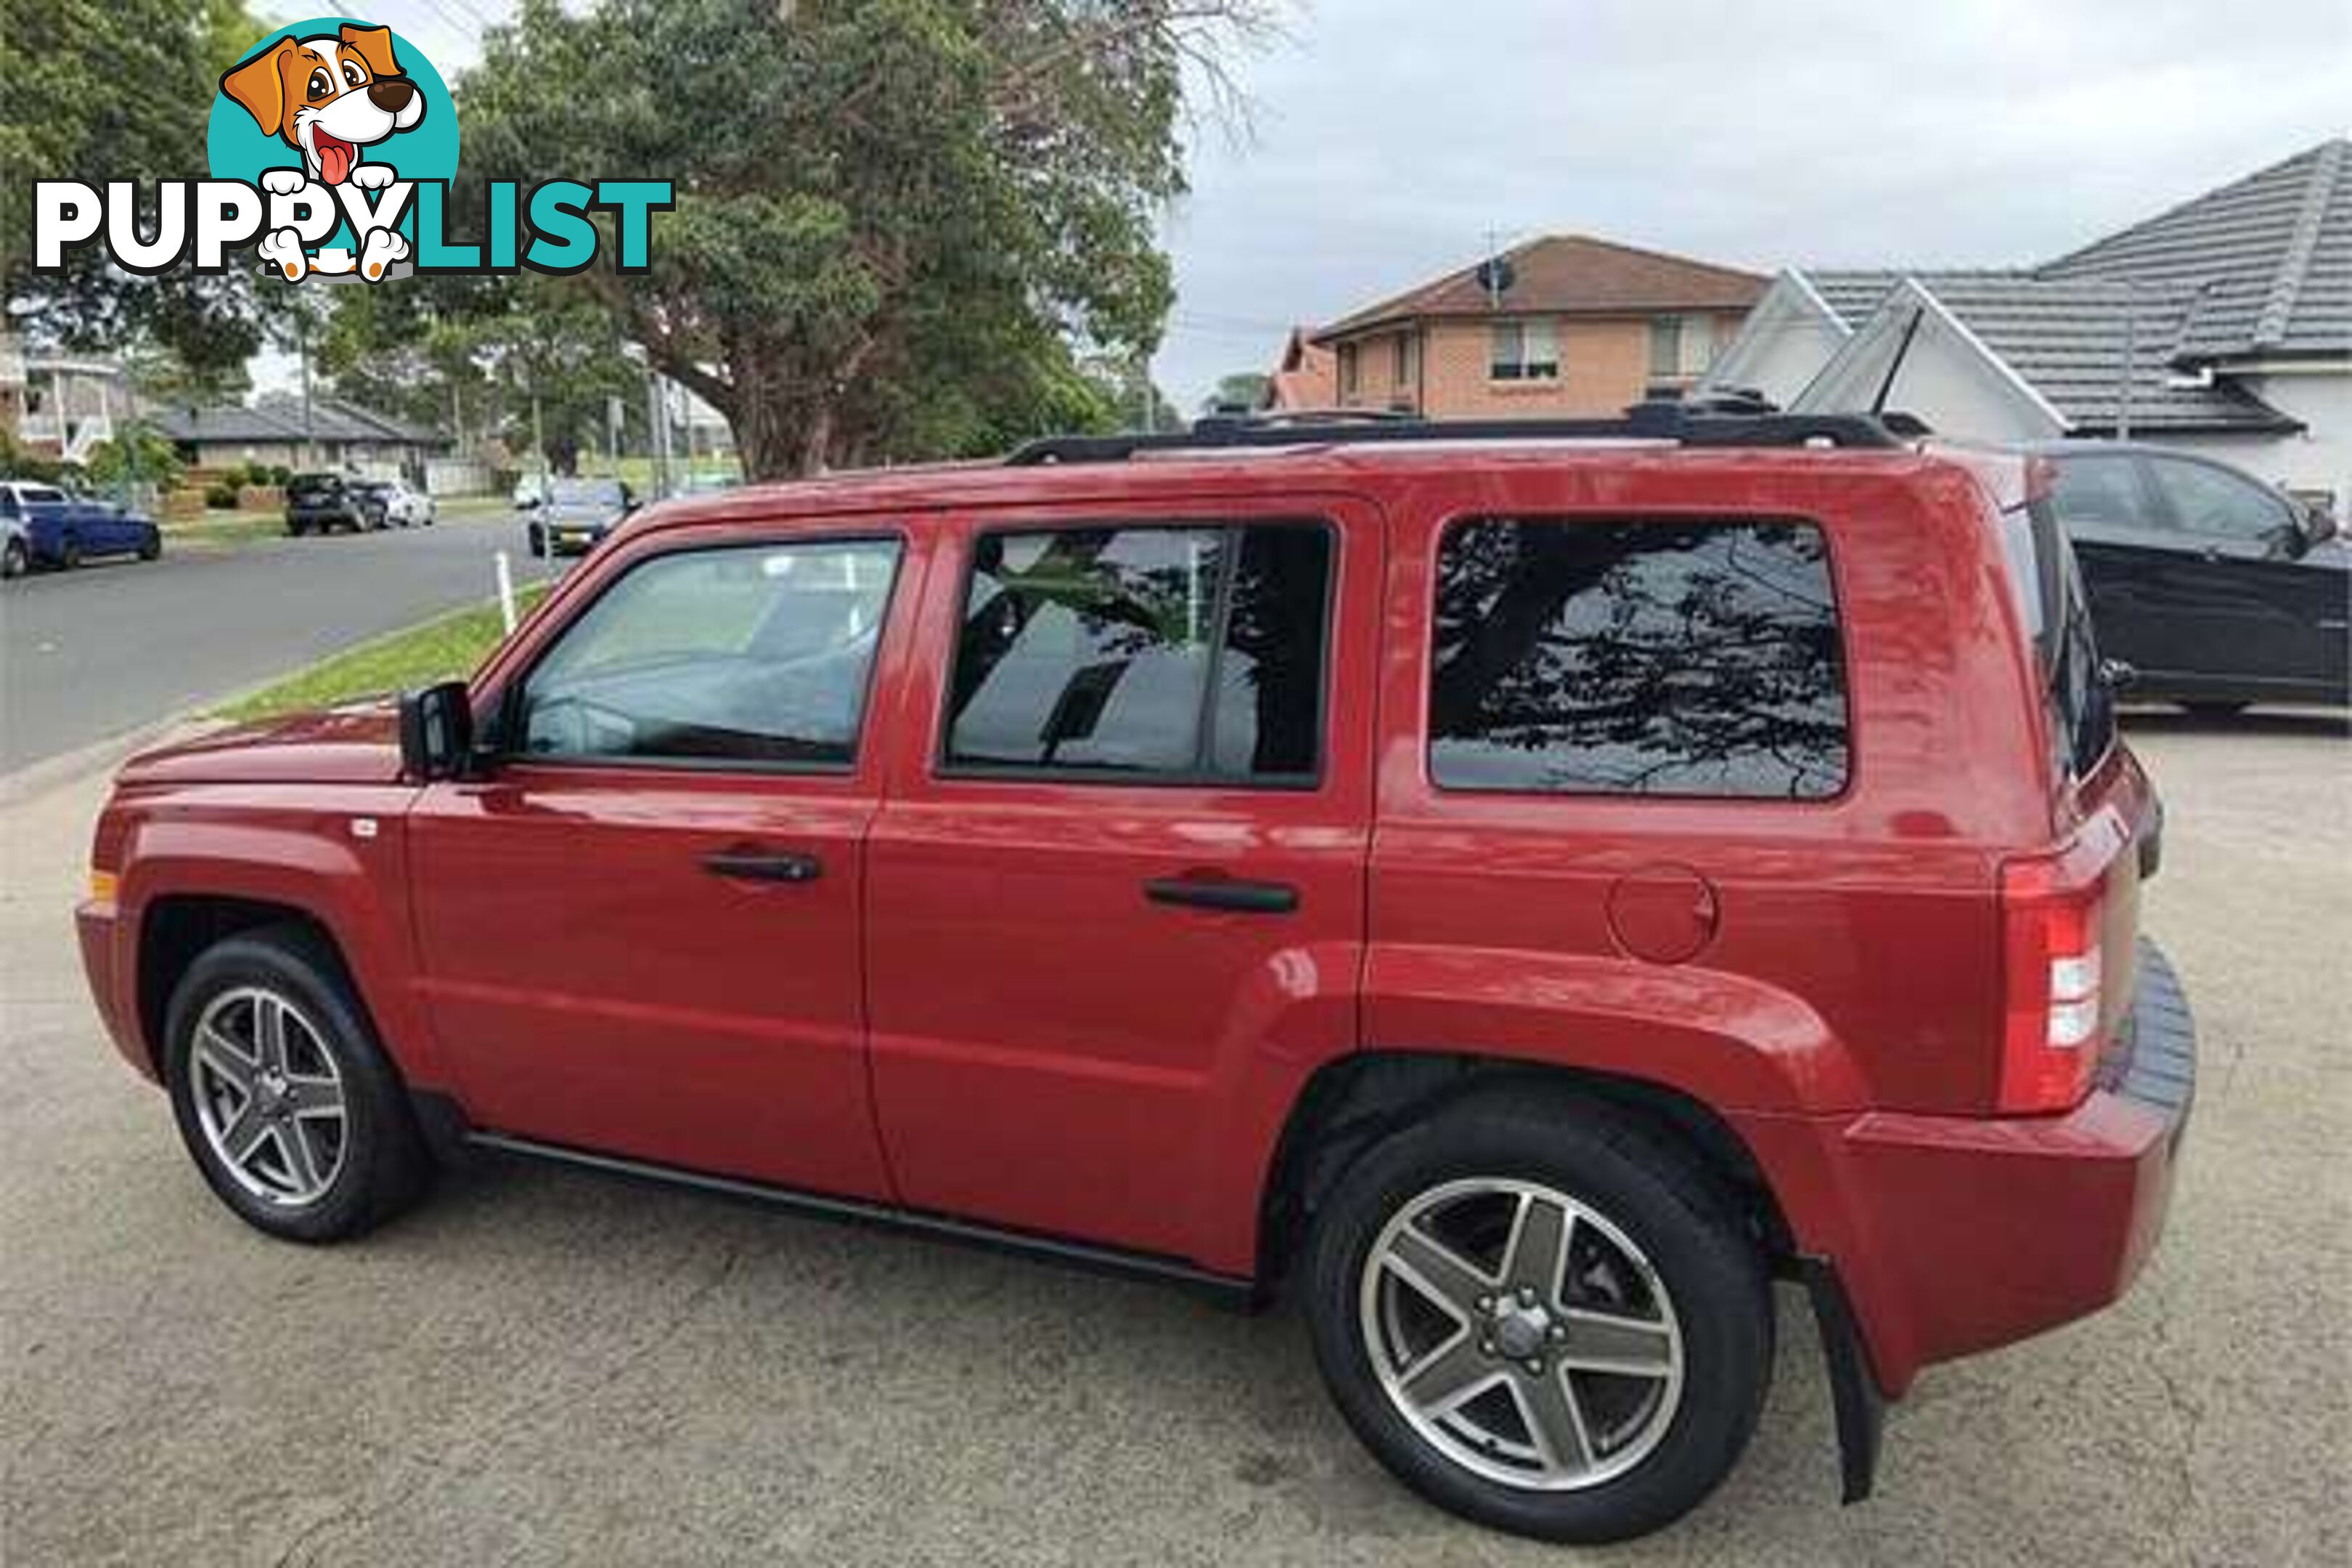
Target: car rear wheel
(1542,1317)
(286,1103)
(15,559)
(151,546)
(69,552)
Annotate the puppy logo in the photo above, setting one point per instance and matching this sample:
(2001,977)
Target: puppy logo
(326,119)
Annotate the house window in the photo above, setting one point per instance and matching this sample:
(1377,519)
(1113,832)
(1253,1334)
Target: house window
(1404,362)
(1523,351)
(1348,370)
(1681,347)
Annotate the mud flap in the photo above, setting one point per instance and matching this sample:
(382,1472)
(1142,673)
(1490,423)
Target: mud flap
(1853,1391)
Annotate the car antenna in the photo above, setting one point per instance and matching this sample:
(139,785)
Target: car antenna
(1878,404)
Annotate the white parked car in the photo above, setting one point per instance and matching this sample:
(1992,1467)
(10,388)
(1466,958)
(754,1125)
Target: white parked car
(397,505)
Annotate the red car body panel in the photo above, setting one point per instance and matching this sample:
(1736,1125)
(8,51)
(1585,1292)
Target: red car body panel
(973,1010)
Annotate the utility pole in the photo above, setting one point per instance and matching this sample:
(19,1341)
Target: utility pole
(2131,355)
(657,436)
(310,426)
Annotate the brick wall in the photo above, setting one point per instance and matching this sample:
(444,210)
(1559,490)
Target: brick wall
(1604,364)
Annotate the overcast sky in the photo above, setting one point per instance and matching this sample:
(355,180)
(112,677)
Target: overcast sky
(1391,136)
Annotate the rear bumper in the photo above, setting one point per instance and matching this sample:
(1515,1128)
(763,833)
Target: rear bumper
(1953,1235)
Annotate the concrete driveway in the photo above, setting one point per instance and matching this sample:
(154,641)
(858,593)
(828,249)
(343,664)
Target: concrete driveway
(121,643)
(546,1367)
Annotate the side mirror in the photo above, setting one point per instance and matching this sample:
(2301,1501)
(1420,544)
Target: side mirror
(2319,524)
(436,731)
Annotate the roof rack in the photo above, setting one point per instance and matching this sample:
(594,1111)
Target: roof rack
(1728,421)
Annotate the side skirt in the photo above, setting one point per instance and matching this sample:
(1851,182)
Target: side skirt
(1223,1289)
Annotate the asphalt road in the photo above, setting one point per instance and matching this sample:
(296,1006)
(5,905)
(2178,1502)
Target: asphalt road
(546,1367)
(115,645)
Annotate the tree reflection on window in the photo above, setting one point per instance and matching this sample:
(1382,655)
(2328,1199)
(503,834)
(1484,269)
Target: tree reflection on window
(1665,657)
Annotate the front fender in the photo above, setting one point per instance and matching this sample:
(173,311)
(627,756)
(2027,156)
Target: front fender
(1726,1041)
(326,861)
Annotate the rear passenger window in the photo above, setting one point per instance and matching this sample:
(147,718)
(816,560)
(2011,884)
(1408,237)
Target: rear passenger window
(1162,654)
(1662,657)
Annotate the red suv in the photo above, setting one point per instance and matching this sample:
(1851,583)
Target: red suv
(1527,888)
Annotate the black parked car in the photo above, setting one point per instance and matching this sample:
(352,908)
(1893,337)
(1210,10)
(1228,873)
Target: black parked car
(2218,589)
(321,503)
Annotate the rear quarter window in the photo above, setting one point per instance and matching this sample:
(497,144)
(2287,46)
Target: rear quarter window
(1599,656)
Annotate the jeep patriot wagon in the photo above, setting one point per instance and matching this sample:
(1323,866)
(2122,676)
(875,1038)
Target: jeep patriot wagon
(1522,888)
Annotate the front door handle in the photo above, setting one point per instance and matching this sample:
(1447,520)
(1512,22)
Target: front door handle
(1224,893)
(763,865)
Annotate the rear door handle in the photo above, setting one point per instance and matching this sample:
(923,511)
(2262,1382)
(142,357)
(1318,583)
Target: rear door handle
(763,866)
(1223,893)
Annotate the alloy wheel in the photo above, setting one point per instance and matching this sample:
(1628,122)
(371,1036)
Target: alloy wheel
(268,1097)
(1521,1335)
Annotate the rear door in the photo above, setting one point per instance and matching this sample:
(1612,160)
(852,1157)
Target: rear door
(2144,596)
(1117,904)
(640,930)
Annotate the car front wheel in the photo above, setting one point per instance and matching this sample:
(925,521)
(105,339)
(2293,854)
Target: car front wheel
(291,1110)
(1542,1316)
(69,552)
(151,547)
(15,559)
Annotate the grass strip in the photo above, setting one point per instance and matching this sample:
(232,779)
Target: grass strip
(448,648)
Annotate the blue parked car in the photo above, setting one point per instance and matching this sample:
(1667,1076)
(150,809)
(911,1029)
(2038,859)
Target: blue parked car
(64,531)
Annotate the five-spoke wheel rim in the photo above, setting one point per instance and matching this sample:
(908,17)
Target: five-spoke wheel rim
(1521,1335)
(268,1097)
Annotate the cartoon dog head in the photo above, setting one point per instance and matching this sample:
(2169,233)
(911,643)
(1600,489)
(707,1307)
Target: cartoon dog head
(327,96)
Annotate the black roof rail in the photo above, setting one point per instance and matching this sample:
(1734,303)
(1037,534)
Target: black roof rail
(1710,423)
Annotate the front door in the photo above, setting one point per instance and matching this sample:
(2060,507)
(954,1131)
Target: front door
(640,931)
(2267,616)
(1115,903)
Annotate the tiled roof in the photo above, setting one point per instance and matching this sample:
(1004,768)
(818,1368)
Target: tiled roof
(2070,340)
(331,420)
(1308,378)
(2272,252)
(1569,274)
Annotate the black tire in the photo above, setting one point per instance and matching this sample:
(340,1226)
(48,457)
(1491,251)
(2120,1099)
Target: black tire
(1655,1194)
(382,1166)
(295,530)
(15,559)
(69,552)
(152,547)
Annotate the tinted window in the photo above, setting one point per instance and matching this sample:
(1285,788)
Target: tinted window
(2101,490)
(41,495)
(1097,649)
(1617,658)
(2213,500)
(756,655)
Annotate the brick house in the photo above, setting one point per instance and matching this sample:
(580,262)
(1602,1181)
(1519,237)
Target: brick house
(1561,326)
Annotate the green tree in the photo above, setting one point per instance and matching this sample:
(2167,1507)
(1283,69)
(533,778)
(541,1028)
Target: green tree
(1239,393)
(899,223)
(115,90)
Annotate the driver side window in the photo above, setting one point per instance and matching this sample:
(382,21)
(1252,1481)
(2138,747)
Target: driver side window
(754,654)
(2214,501)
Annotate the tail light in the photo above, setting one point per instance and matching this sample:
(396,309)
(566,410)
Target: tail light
(2053,975)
